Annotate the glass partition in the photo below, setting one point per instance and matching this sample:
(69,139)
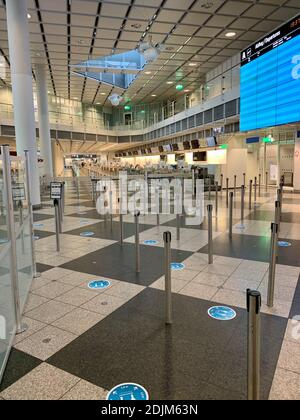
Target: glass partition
(7,314)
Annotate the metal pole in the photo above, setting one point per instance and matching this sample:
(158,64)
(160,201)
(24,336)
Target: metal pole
(227,192)
(20,328)
(222,183)
(60,215)
(278,214)
(168,279)
(209,188)
(36,275)
(231,195)
(57,224)
(235,185)
(21,221)
(178,220)
(210,234)
(272,268)
(193,181)
(244,178)
(267,175)
(250,194)
(217,199)
(63,197)
(111,209)
(255,190)
(242,204)
(259,186)
(254,302)
(121,222)
(137,243)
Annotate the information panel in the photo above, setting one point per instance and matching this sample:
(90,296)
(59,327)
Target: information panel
(55,190)
(270,79)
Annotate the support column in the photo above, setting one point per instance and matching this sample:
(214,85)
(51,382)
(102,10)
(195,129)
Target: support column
(44,126)
(19,54)
(58,160)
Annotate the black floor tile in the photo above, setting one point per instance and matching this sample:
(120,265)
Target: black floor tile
(118,262)
(41,234)
(41,268)
(19,364)
(269,216)
(103,230)
(220,224)
(189,360)
(41,217)
(89,214)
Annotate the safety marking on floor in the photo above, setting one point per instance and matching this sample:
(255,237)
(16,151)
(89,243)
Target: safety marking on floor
(38,225)
(177,266)
(283,244)
(222,313)
(128,392)
(87,234)
(150,242)
(84,222)
(99,284)
(241,227)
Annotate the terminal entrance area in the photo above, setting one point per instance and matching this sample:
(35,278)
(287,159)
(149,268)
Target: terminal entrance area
(149,203)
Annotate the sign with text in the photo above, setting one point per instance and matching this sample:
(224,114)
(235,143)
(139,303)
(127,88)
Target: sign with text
(55,190)
(18,191)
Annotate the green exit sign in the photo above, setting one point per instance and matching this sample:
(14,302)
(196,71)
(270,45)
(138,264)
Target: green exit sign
(224,146)
(267,140)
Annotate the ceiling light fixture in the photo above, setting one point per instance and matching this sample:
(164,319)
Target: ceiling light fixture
(148,72)
(170,83)
(230,34)
(193,64)
(179,87)
(28,16)
(153,96)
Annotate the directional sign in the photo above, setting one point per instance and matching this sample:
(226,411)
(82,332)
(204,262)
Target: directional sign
(128,392)
(56,190)
(99,284)
(222,313)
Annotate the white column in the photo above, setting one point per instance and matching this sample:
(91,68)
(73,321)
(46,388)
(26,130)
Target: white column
(43,110)
(19,53)
(58,160)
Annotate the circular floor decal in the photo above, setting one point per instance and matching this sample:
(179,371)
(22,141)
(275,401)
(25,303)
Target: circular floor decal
(241,227)
(84,222)
(177,266)
(87,234)
(99,284)
(128,392)
(283,244)
(150,242)
(38,225)
(222,313)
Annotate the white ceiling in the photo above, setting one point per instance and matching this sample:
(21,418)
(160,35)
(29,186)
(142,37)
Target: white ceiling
(66,32)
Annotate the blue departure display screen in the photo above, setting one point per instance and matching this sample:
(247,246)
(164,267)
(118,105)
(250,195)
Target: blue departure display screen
(270,79)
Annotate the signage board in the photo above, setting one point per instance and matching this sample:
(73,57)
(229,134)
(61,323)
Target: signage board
(56,190)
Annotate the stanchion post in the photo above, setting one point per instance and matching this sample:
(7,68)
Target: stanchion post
(168,278)
(242,204)
(231,195)
(21,220)
(254,302)
(278,214)
(259,185)
(272,268)
(227,192)
(36,275)
(209,188)
(137,242)
(217,199)
(250,194)
(222,177)
(57,224)
(121,222)
(20,328)
(244,179)
(210,234)
(255,190)
(178,223)
(267,176)
(235,185)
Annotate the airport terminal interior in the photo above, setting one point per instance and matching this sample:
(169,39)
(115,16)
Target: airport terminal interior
(149,200)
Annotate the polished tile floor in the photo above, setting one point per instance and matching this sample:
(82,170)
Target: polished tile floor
(81,342)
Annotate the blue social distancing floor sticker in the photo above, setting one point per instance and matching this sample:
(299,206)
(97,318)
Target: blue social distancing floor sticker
(38,225)
(99,284)
(222,313)
(177,266)
(283,244)
(84,222)
(128,392)
(87,234)
(150,242)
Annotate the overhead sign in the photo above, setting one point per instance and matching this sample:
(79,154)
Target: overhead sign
(252,140)
(56,190)
(222,313)
(18,191)
(128,392)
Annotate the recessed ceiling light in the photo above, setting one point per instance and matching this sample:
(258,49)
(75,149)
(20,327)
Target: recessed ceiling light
(170,83)
(75,99)
(153,96)
(28,15)
(230,34)
(193,64)
(98,103)
(148,72)
(103,94)
(187,91)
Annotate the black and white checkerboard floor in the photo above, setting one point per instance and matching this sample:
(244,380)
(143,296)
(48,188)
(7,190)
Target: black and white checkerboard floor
(81,342)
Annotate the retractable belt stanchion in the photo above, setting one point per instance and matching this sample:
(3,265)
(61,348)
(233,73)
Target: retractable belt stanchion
(259,185)
(209,188)
(121,222)
(255,190)
(63,197)
(178,222)
(231,195)
(137,242)
(250,194)
(57,224)
(217,199)
(20,328)
(244,179)
(158,210)
(235,185)
(267,175)
(272,269)
(278,214)
(30,212)
(210,234)
(242,205)
(254,344)
(168,278)
(20,206)
(227,192)
(193,182)
(111,209)
(222,177)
